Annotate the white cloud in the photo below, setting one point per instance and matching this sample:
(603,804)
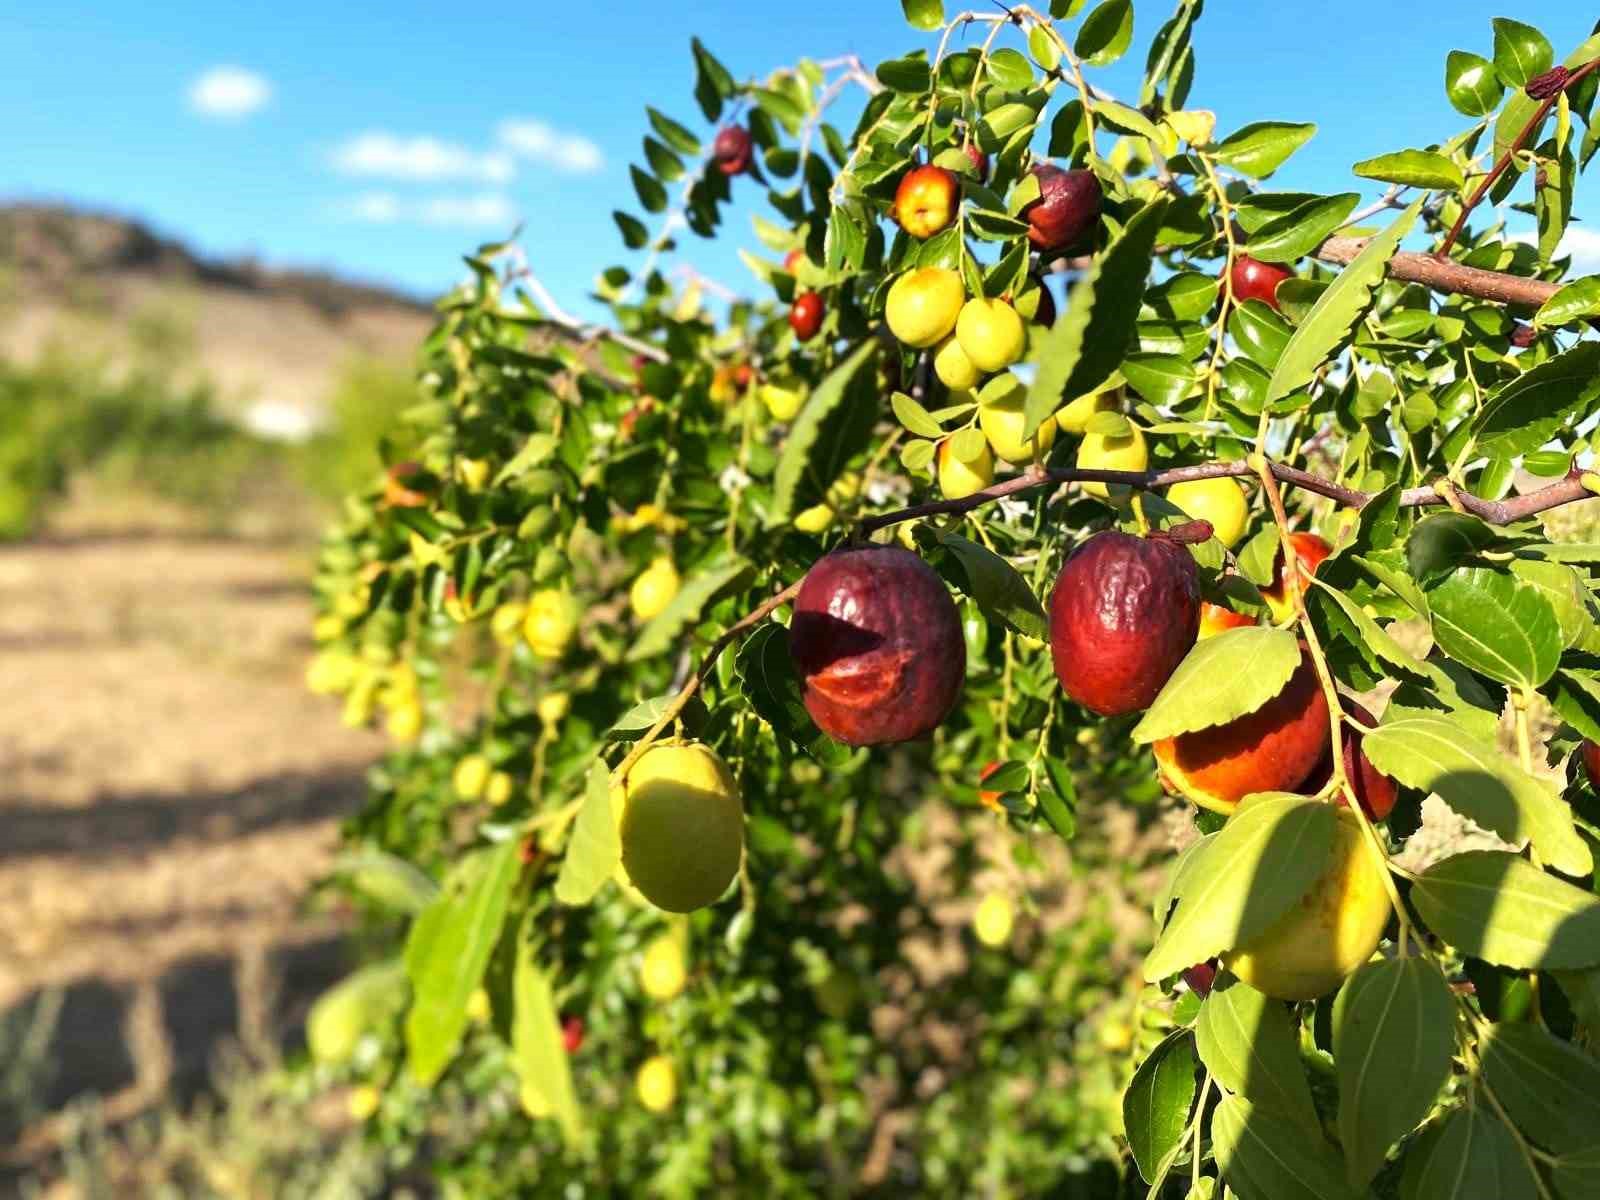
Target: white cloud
(540,143)
(229,93)
(1579,241)
(388,156)
(475,210)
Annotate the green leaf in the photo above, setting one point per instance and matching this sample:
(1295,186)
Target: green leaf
(651,194)
(1301,230)
(1011,70)
(1471,84)
(712,83)
(1434,754)
(1186,296)
(1520,108)
(1265,1156)
(997,587)
(667,165)
(634,234)
(1373,636)
(1124,119)
(1504,910)
(907,75)
(1576,301)
(1393,1037)
(1271,850)
(663,631)
(1439,544)
(1162,379)
(362,1001)
(538,1052)
(1329,322)
(914,417)
(1260,148)
(1105,33)
(672,133)
(594,849)
(1473,1158)
(446,953)
(1549,1088)
(1562,587)
(926,15)
(386,878)
(1486,620)
(1220,679)
(1520,52)
(537,449)
(1155,1108)
(1577,1175)
(844,246)
(1538,404)
(1414,168)
(773,689)
(639,719)
(851,382)
(1091,336)
(1247,1042)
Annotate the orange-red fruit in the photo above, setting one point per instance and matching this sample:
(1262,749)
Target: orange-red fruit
(1124,612)
(572,1033)
(1591,763)
(1214,619)
(1273,749)
(1256,280)
(1068,207)
(926,200)
(876,641)
(805,316)
(793,259)
(986,798)
(1375,790)
(1309,551)
(732,150)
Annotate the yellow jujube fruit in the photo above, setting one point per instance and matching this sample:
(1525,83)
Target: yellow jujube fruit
(331,671)
(364,1101)
(470,777)
(958,479)
(1000,416)
(1328,932)
(551,622)
(405,722)
(993,919)
(327,627)
(1126,453)
(923,305)
(1074,418)
(662,973)
(819,516)
(1220,501)
(953,367)
(682,826)
(990,333)
(654,589)
(553,707)
(657,1083)
(783,401)
(479,1010)
(498,790)
(474,473)
(506,623)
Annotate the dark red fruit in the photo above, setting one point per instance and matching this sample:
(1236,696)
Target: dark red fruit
(805,316)
(1256,280)
(1591,763)
(572,1033)
(732,149)
(979,161)
(1375,790)
(1124,612)
(1523,335)
(1045,314)
(1201,977)
(1068,207)
(877,644)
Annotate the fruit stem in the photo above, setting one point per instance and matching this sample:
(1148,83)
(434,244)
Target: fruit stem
(1219,331)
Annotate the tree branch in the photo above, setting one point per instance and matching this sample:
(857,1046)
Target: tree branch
(1445,275)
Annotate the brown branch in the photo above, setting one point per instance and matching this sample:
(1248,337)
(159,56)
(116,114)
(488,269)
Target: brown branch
(1444,275)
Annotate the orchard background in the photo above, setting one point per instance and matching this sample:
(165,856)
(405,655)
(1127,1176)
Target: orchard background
(994,710)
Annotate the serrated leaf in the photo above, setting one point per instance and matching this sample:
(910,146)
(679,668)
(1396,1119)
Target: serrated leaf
(1413,168)
(1577,301)
(639,719)
(1301,230)
(997,587)
(1474,1157)
(446,953)
(1220,679)
(1374,636)
(1549,1088)
(1091,336)
(594,849)
(1504,910)
(845,243)
(1264,1156)
(850,382)
(1436,755)
(1393,1037)
(1487,620)
(1540,403)
(1260,148)
(1247,1043)
(1162,379)
(663,631)
(1155,1107)
(538,1053)
(1264,859)
(1329,322)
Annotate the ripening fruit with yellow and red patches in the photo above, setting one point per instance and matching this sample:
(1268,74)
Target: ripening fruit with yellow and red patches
(1067,210)
(805,315)
(876,641)
(1215,619)
(1253,279)
(1309,552)
(1374,790)
(1124,612)
(1273,749)
(926,200)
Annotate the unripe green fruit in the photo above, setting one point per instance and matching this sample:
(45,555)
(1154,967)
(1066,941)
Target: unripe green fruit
(1074,417)
(990,333)
(682,826)
(923,305)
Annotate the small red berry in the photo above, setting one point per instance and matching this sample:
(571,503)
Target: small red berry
(805,317)
(732,150)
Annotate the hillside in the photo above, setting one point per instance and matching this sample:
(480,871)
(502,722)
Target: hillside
(273,341)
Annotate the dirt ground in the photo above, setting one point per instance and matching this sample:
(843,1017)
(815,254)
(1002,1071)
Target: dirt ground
(168,791)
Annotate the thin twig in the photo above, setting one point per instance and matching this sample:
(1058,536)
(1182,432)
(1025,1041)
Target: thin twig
(585,330)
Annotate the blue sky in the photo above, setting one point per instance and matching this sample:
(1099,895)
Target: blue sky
(382,141)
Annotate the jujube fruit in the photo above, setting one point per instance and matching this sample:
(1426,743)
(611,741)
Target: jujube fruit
(654,589)
(1253,279)
(1002,417)
(1591,762)
(978,159)
(1074,416)
(1112,452)
(1374,790)
(1068,207)
(959,478)
(926,200)
(1273,749)
(953,367)
(661,973)
(990,333)
(876,641)
(1215,619)
(551,623)
(805,315)
(732,149)
(922,305)
(682,826)
(470,777)
(1309,552)
(1124,612)
(993,919)
(1219,501)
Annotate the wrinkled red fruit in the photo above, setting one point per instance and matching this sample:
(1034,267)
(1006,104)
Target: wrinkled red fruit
(877,644)
(1124,612)
(1256,280)
(572,1033)
(805,316)
(1375,790)
(1201,977)
(1068,207)
(732,149)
